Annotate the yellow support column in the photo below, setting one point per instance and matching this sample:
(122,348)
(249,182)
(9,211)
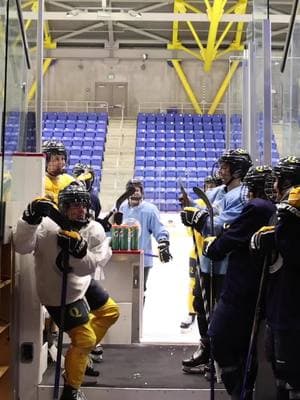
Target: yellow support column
(223,87)
(186,86)
(215,14)
(46,65)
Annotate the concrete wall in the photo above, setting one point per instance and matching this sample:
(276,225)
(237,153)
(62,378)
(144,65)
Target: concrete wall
(158,82)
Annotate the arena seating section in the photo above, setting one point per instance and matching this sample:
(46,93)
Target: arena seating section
(84,135)
(173,146)
(169,146)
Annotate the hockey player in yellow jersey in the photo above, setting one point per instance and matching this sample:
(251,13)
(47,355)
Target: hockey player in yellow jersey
(56,178)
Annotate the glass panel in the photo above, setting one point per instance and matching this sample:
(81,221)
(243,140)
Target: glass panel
(13,91)
(286,92)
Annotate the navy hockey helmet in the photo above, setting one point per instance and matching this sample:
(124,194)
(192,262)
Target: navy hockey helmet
(287,172)
(134,182)
(53,147)
(239,161)
(75,193)
(260,181)
(84,173)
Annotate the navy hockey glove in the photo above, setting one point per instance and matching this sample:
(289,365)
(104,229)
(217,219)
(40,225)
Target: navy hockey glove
(163,251)
(263,241)
(105,223)
(118,217)
(194,217)
(206,244)
(73,243)
(38,208)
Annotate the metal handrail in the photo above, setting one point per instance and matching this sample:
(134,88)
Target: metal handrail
(72,106)
(179,106)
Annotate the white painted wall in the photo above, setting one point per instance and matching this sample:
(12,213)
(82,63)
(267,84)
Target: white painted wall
(69,79)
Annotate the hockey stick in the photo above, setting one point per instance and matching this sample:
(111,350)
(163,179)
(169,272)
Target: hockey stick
(200,193)
(207,309)
(118,203)
(63,259)
(124,197)
(186,203)
(255,330)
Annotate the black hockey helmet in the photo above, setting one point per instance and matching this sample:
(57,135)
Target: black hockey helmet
(134,182)
(84,173)
(287,172)
(77,193)
(78,169)
(239,161)
(260,181)
(53,147)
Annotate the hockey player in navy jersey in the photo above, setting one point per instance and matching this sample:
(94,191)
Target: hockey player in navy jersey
(231,322)
(227,201)
(283,294)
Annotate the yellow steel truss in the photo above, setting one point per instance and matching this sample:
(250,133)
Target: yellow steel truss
(215,10)
(48,44)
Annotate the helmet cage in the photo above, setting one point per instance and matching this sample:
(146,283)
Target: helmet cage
(260,181)
(75,193)
(239,162)
(53,147)
(81,168)
(287,172)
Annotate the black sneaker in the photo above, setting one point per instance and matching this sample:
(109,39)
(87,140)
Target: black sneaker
(189,322)
(97,354)
(69,393)
(199,358)
(90,371)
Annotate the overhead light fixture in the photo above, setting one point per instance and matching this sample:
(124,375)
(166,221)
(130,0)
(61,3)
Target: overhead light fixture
(73,13)
(135,14)
(102,14)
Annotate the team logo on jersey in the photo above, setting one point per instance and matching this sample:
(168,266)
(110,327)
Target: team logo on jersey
(75,312)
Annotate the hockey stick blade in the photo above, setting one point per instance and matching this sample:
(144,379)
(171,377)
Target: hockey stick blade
(124,197)
(200,193)
(185,197)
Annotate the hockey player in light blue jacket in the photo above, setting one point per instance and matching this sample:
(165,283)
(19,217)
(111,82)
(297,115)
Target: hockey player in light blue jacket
(148,217)
(227,202)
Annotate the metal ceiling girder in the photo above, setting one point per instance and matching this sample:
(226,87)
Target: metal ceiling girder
(82,15)
(79,31)
(142,32)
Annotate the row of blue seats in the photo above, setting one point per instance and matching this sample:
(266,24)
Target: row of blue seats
(182,135)
(79,134)
(181,117)
(73,116)
(74,124)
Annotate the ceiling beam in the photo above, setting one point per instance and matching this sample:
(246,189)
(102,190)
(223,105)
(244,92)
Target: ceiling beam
(154,17)
(78,32)
(142,32)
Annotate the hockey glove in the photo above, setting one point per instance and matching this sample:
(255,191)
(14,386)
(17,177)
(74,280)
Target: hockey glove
(286,211)
(184,201)
(194,217)
(38,208)
(163,251)
(263,241)
(206,244)
(294,197)
(73,243)
(105,223)
(118,217)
